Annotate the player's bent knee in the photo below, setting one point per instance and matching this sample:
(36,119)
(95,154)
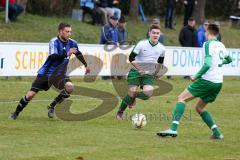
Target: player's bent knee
(148,90)
(30,95)
(148,93)
(69,87)
(199,110)
(181,99)
(132,91)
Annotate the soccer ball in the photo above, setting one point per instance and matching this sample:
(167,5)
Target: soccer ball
(139,120)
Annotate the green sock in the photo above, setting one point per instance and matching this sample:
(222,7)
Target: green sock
(207,118)
(177,114)
(125,101)
(142,96)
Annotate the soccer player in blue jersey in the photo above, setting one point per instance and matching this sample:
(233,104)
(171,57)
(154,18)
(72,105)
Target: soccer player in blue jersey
(53,71)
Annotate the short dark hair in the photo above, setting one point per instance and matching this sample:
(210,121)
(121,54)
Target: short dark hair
(191,19)
(154,26)
(213,29)
(62,25)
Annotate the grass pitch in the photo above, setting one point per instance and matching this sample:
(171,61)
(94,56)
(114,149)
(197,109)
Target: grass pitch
(35,137)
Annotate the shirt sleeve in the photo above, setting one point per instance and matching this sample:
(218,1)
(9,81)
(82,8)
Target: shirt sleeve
(162,55)
(138,48)
(103,37)
(132,57)
(163,52)
(75,45)
(53,47)
(53,51)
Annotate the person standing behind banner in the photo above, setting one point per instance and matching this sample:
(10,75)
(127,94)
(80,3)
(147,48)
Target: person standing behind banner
(14,9)
(109,35)
(109,32)
(106,11)
(170,13)
(88,6)
(122,35)
(188,11)
(202,33)
(122,31)
(113,5)
(188,36)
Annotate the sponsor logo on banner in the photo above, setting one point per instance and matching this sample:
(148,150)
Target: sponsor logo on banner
(187,58)
(25,59)
(28,60)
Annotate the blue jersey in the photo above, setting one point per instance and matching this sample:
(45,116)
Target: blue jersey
(109,35)
(57,60)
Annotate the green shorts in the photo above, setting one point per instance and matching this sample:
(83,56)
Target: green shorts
(135,78)
(205,90)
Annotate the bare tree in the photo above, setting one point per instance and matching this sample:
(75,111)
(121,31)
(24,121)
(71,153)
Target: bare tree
(199,11)
(134,10)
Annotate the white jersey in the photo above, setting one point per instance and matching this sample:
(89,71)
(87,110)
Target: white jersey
(148,54)
(217,51)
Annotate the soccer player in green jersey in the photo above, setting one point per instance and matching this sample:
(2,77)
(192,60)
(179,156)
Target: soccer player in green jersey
(146,58)
(206,85)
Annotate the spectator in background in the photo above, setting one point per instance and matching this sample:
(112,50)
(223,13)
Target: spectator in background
(122,35)
(103,7)
(188,36)
(189,6)
(14,9)
(170,12)
(88,6)
(107,8)
(122,31)
(113,5)
(109,35)
(201,33)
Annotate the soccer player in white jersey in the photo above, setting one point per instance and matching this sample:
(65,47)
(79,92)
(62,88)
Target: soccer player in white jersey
(206,85)
(146,58)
